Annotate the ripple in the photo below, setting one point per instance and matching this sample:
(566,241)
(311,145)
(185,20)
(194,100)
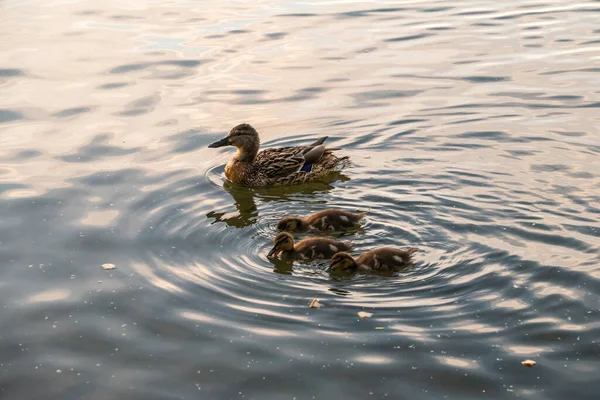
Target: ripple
(407,38)
(10,116)
(472,139)
(72,112)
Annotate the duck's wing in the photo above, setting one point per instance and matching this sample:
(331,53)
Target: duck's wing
(395,257)
(312,155)
(319,141)
(275,163)
(283,161)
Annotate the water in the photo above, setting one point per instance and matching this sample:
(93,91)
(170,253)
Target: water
(473,127)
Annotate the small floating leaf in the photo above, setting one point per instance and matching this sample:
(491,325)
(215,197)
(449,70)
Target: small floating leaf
(363,314)
(315,304)
(107,267)
(528,363)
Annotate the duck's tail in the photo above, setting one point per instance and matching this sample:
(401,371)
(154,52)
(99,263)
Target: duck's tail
(343,162)
(410,253)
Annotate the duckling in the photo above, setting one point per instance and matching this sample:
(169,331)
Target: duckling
(331,219)
(310,248)
(276,166)
(381,259)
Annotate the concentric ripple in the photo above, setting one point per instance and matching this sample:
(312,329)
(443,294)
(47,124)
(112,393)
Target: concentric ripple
(472,129)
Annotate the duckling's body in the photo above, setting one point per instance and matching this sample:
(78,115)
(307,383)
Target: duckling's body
(381,259)
(331,219)
(311,248)
(276,166)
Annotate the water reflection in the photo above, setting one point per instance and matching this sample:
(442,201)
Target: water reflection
(282,266)
(473,128)
(244,199)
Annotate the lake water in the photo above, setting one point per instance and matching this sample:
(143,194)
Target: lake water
(473,129)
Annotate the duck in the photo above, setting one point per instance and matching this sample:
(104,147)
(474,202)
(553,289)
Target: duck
(380,259)
(276,166)
(331,219)
(306,249)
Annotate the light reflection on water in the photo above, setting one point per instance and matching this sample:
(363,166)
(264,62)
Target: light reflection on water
(472,130)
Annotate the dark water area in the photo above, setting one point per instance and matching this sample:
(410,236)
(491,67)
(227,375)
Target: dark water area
(473,130)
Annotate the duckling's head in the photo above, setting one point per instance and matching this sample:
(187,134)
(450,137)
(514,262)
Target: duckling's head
(242,136)
(290,224)
(282,242)
(341,262)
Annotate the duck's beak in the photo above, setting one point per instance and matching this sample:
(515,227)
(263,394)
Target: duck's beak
(220,143)
(333,266)
(274,251)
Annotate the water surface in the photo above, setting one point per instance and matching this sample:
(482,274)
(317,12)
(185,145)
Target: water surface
(473,131)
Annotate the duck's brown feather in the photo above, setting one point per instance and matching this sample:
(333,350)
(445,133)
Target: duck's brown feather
(334,219)
(385,259)
(281,166)
(318,247)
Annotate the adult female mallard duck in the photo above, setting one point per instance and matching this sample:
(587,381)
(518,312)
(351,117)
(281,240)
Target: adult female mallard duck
(315,247)
(381,259)
(276,166)
(331,219)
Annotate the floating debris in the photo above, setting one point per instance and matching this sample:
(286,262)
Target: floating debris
(364,314)
(528,363)
(108,267)
(379,328)
(315,304)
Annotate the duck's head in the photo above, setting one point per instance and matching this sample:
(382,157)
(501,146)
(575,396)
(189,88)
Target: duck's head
(342,262)
(290,224)
(242,136)
(282,242)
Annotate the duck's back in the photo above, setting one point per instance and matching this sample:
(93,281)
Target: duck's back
(385,258)
(334,219)
(320,247)
(295,164)
(279,161)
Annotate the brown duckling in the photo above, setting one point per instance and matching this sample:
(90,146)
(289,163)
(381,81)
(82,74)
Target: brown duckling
(331,219)
(381,259)
(315,247)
